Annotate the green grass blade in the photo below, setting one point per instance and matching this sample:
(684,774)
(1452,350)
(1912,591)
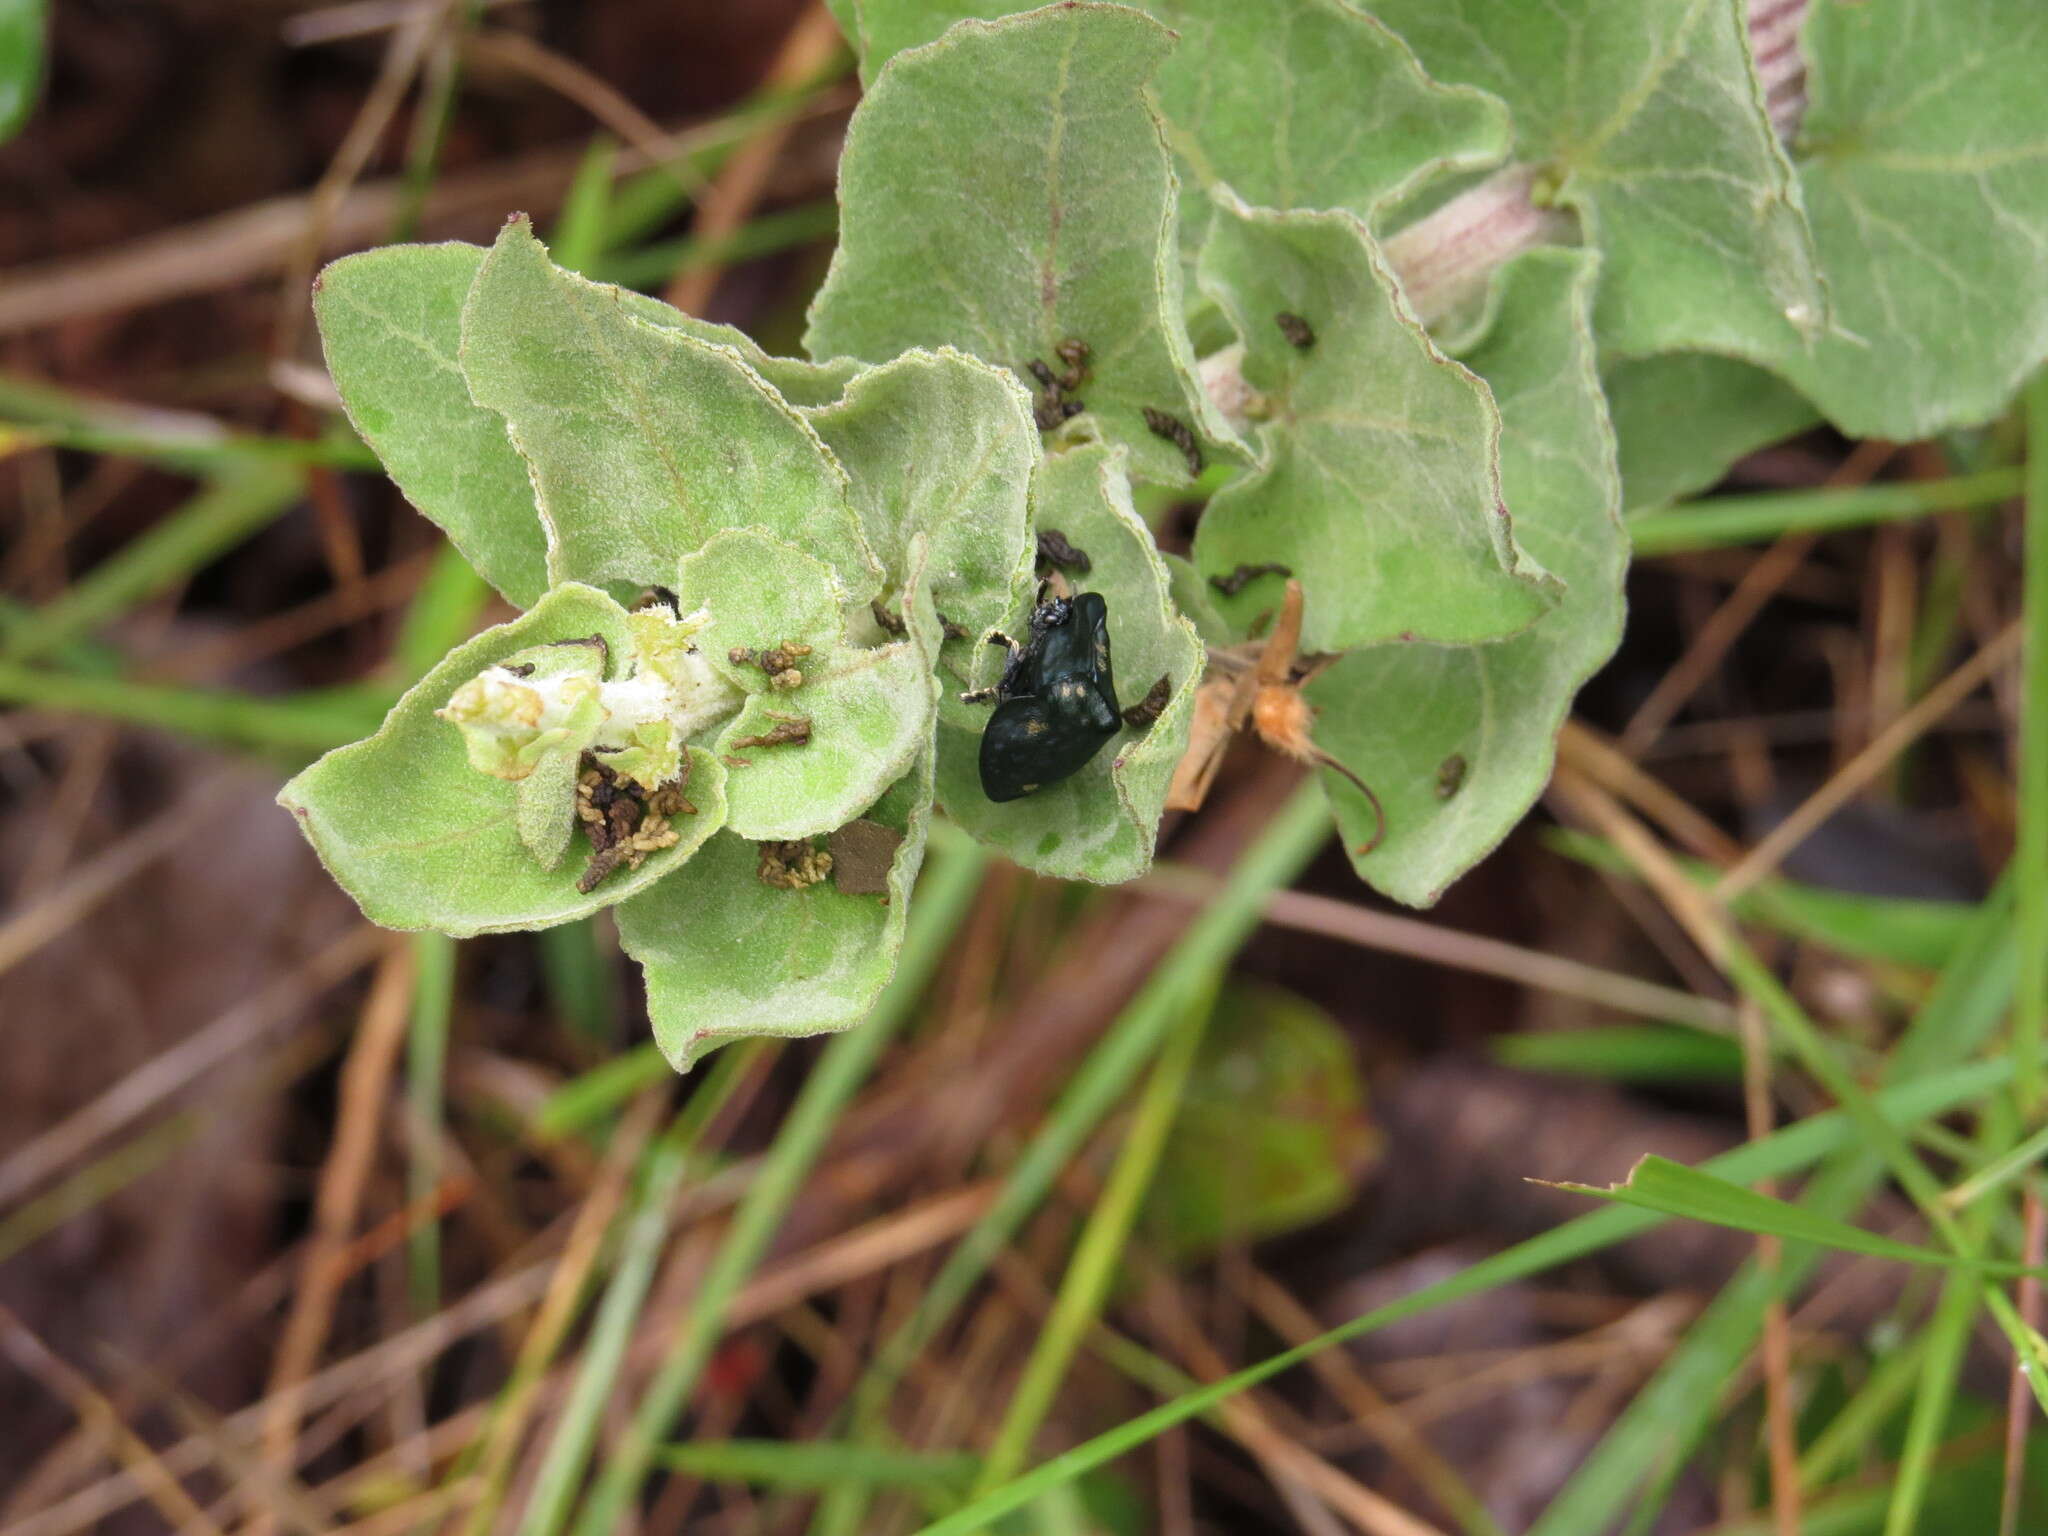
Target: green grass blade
(426,1067)
(1756,519)
(577,239)
(1629,1053)
(1282,850)
(941,903)
(586,1101)
(1948,1335)
(1659,1184)
(1099,1250)
(582,984)
(810,1467)
(1778,1155)
(301,725)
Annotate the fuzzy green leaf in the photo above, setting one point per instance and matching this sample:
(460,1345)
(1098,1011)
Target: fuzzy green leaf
(943,445)
(643,439)
(1311,104)
(423,840)
(1378,486)
(1650,124)
(869,708)
(391,323)
(1924,158)
(1099,824)
(1290,103)
(727,956)
(1458,740)
(1005,189)
(1682,418)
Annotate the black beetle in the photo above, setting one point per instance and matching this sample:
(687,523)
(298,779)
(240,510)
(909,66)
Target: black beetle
(1056,704)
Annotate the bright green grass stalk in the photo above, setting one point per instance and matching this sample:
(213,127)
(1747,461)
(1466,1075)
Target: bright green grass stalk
(1662,1427)
(302,725)
(426,1062)
(576,965)
(942,900)
(1097,1253)
(1282,850)
(1754,519)
(1776,1156)
(577,239)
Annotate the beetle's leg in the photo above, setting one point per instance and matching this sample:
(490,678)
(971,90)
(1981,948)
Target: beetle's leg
(979,695)
(997,637)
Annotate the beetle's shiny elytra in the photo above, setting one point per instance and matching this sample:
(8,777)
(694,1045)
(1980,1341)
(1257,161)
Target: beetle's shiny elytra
(1056,704)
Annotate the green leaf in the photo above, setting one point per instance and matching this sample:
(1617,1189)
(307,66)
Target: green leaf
(943,445)
(728,956)
(22,28)
(869,709)
(423,840)
(1290,103)
(1626,1053)
(1312,104)
(1272,1132)
(643,439)
(1005,189)
(1647,119)
(391,322)
(1099,824)
(1658,1184)
(1458,740)
(1924,161)
(1378,485)
(1682,418)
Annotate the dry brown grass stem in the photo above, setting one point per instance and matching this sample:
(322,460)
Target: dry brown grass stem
(570,80)
(36,921)
(171,1071)
(1866,766)
(1392,934)
(1248,1418)
(155,1481)
(733,195)
(1369,1408)
(365,1085)
(215,253)
(1763,580)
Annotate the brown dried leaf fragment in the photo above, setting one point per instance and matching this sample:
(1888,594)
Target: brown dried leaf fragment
(862,853)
